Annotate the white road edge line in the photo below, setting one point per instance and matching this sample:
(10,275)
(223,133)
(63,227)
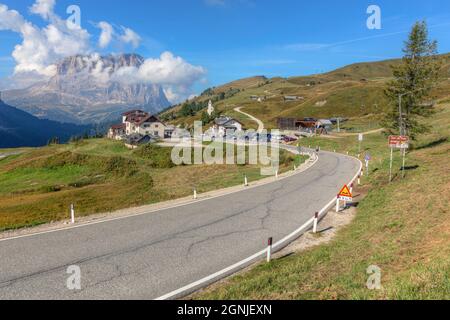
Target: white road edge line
(239,265)
(87,224)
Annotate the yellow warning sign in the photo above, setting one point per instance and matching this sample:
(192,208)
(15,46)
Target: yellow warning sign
(345,194)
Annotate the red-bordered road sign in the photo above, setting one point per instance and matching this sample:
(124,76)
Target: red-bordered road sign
(345,194)
(399,142)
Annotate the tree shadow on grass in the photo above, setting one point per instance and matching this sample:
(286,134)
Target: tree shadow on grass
(432,144)
(409,168)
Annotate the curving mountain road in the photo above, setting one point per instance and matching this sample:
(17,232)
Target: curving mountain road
(150,255)
(259,122)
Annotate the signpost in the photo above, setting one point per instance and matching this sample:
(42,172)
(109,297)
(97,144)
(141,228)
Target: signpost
(367,158)
(344,195)
(398,142)
(360,139)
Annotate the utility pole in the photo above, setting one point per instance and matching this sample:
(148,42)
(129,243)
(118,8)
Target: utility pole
(400,115)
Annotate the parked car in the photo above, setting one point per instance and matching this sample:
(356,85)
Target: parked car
(288,139)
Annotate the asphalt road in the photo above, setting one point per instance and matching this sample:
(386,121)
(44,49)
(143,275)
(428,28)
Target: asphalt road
(147,256)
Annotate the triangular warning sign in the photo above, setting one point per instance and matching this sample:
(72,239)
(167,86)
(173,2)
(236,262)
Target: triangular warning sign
(345,192)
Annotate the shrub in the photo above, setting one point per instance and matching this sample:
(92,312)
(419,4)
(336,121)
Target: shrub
(158,157)
(119,166)
(49,189)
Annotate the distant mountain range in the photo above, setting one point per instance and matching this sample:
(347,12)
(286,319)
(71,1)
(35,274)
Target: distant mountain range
(20,129)
(83,91)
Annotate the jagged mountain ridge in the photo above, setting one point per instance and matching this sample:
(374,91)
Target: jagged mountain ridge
(82,91)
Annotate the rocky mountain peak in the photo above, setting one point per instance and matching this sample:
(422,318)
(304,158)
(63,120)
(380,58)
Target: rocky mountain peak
(83,91)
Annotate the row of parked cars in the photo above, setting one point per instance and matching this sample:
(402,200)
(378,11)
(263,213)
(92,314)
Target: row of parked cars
(253,137)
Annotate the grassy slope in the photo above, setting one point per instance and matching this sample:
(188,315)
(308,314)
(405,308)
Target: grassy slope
(403,228)
(100,175)
(344,92)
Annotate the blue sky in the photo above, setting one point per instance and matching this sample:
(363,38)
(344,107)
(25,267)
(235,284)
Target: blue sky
(232,39)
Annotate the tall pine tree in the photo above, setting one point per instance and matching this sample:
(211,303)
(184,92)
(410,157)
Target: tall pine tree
(413,81)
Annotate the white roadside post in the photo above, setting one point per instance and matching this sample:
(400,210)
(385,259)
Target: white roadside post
(360,140)
(245,181)
(269,249)
(337,204)
(351,188)
(72,213)
(359,179)
(276,174)
(195,194)
(316,222)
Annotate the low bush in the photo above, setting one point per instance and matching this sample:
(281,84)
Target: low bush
(158,157)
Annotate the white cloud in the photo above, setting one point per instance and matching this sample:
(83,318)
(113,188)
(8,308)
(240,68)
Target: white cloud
(44,8)
(106,34)
(41,48)
(129,36)
(175,74)
(109,34)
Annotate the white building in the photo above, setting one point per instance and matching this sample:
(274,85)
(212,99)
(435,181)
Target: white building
(138,122)
(210,108)
(225,126)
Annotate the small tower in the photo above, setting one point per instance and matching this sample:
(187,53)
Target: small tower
(210,108)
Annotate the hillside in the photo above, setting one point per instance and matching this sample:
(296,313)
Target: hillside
(100,175)
(402,227)
(353,91)
(20,129)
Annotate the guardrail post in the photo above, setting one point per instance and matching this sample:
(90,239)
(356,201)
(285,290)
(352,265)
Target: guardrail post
(316,222)
(72,214)
(269,249)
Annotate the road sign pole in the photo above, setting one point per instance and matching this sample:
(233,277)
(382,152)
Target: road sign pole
(404,163)
(367,167)
(390,165)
